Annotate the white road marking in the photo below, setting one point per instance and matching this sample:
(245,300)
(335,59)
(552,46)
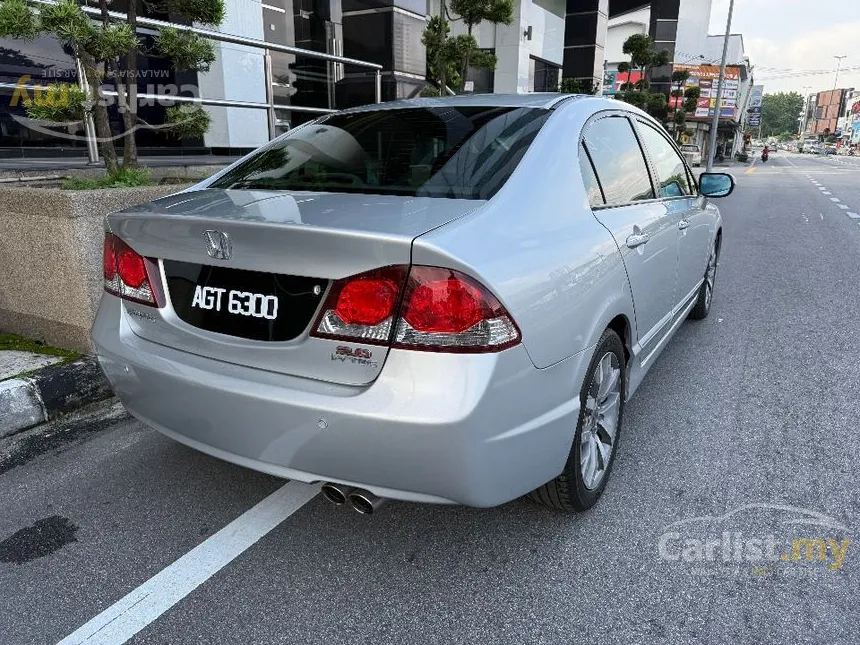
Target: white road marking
(129,615)
(853,215)
(843,206)
(826,192)
(834,199)
(821,215)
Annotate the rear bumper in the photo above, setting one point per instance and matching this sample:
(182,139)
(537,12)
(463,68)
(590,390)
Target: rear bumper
(479,430)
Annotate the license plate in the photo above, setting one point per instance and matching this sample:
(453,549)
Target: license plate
(234,301)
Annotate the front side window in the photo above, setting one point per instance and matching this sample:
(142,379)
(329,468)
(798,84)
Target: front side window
(672,177)
(456,152)
(618,161)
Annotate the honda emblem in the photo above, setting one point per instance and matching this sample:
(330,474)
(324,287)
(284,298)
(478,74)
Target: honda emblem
(220,246)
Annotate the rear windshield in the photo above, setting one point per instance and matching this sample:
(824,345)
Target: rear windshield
(455,152)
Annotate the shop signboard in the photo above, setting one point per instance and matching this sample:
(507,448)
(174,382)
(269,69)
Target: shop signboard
(706,78)
(613,80)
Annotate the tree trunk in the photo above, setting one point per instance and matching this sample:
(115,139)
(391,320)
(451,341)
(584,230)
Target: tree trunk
(122,99)
(100,114)
(440,58)
(465,73)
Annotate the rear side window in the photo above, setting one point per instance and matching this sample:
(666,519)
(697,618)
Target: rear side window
(618,161)
(457,152)
(592,186)
(671,170)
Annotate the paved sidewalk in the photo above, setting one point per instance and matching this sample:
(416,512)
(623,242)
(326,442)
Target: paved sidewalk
(38,386)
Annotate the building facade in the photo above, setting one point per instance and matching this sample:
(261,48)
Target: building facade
(824,112)
(850,122)
(548,40)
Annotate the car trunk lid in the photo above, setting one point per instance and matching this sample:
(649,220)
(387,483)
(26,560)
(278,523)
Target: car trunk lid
(245,271)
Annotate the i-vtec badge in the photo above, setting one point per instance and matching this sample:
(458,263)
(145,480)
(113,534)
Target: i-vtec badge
(243,303)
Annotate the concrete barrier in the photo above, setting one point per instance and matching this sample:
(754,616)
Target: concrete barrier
(51,258)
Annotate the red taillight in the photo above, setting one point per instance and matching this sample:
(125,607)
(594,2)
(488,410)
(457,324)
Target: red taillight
(445,310)
(367,301)
(362,307)
(441,310)
(126,272)
(108,259)
(130,266)
(442,303)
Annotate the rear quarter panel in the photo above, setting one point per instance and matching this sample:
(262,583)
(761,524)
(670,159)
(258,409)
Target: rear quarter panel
(538,247)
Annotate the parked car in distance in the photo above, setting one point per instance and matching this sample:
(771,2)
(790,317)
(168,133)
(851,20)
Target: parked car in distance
(428,300)
(693,154)
(810,146)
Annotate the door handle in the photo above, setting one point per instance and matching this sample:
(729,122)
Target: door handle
(637,239)
(683,224)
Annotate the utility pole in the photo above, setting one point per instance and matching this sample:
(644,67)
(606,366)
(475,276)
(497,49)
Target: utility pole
(838,66)
(715,123)
(802,116)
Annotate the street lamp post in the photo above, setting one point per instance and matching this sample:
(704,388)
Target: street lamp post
(838,66)
(715,123)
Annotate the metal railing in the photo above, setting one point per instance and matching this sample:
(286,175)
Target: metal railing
(270,106)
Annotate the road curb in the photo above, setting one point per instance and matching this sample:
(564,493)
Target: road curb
(51,392)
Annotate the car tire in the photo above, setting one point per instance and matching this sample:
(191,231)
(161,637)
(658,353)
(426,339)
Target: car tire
(706,292)
(589,465)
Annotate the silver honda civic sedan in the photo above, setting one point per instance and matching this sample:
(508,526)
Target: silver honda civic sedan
(436,300)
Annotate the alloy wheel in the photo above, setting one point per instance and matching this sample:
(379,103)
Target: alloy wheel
(600,422)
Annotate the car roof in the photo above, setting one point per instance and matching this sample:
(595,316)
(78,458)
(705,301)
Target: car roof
(545,100)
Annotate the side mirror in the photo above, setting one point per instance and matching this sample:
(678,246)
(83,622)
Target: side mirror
(716,184)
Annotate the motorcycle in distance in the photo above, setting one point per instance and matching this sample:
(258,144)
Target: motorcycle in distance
(765,154)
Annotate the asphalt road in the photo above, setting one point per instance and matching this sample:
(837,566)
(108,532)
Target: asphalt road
(744,433)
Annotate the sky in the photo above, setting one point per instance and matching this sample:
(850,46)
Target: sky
(796,36)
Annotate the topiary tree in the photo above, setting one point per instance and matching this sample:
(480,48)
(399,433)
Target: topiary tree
(679,78)
(107,48)
(643,57)
(449,59)
(625,68)
(578,86)
(474,12)
(442,63)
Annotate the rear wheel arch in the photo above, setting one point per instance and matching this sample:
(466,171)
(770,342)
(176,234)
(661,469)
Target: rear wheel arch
(621,326)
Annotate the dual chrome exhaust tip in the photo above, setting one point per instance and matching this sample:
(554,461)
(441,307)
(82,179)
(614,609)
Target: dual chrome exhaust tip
(360,500)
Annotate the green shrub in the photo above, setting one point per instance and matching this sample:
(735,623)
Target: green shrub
(124,178)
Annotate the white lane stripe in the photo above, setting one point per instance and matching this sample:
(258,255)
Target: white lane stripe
(853,215)
(843,206)
(129,615)
(826,192)
(834,199)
